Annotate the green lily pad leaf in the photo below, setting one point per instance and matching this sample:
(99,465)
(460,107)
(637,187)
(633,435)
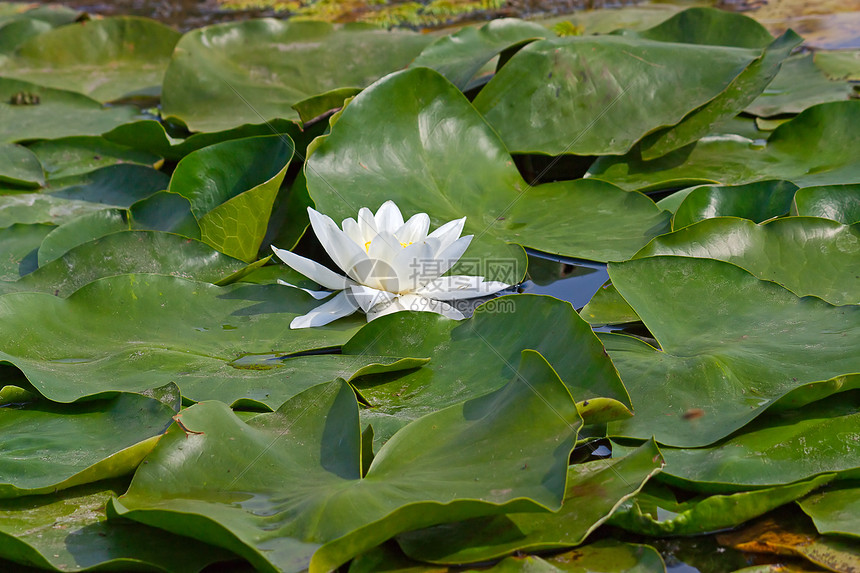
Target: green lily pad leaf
(167,212)
(319,105)
(136,331)
(78,155)
(835,510)
(814,148)
(473,357)
(839,64)
(606,20)
(20,166)
(30,111)
(382,148)
(31,208)
(740,92)
(709,26)
(17,243)
(254,71)
(232,203)
(447,465)
(757,201)
(722,363)
(594,491)
(607,306)
(290,219)
(656,511)
(150,136)
(606,556)
(837,202)
(779,448)
(51,447)
(599,95)
(15,33)
(820,251)
(798,85)
(388,558)
(53,14)
(79,231)
(113,186)
(68,531)
(107,59)
(461,55)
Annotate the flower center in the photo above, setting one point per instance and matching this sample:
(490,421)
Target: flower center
(404,245)
(367,246)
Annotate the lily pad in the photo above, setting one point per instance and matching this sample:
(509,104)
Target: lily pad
(597,95)
(20,166)
(798,85)
(68,531)
(29,208)
(107,59)
(722,363)
(709,26)
(839,64)
(51,447)
(17,243)
(606,556)
(461,55)
(231,187)
(78,155)
(656,510)
(607,306)
(835,510)
(838,202)
(776,449)
(820,252)
(757,201)
(394,141)
(112,186)
(79,231)
(470,358)
(134,331)
(814,148)
(254,71)
(594,491)
(47,113)
(285,490)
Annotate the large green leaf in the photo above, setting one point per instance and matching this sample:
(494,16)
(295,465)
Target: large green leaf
(732,345)
(778,448)
(17,244)
(286,491)
(597,95)
(231,187)
(136,331)
(254,71)
(81,230)
(594,491)
(838,202)
(814,148)
(757,201)
(839,64)
(709,26)
(106,59)
(126,252)
(395,141)
(806,255)
(797,86)
(461,55)
(50,447)
(471,358)
(53,113)
(607,306)
(118,185)
(29,208)
(20,166)
(742,91)
(78,155)
(835,510)
(657,511)
(67,531)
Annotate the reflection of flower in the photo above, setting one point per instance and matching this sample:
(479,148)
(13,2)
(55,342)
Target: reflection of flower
(390,265)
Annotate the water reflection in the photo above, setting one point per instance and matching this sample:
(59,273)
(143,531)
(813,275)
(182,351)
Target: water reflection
(573,280)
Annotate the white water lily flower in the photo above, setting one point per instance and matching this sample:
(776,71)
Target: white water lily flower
(390,266)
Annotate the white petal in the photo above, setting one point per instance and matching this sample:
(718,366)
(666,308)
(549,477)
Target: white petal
(366,224)
(448,256)
(317,294)
(313,270)
(388,218)
(381,273)
(460,287)
(413,230)
(367,298)
(415,265)
(418,303)
(353,231)
(338,307)
(449,232)
(342,250)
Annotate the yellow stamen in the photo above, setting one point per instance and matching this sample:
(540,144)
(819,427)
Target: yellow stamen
(367,246)
(404,245)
